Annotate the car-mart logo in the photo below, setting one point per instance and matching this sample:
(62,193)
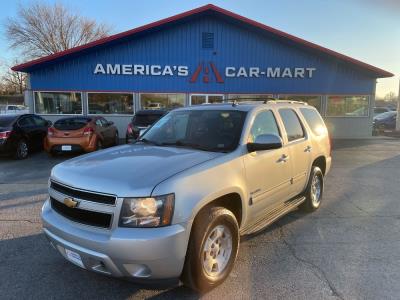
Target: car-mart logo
(208,71)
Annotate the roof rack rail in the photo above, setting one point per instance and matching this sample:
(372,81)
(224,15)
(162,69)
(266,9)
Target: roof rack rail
(288,101)
(237,101)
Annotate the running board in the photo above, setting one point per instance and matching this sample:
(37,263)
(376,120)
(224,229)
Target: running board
(272,216)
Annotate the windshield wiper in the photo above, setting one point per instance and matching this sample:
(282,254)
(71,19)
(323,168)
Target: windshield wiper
(146,141)
(180,143)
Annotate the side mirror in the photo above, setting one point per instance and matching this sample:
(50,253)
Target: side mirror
(265,142)
(109,123)
(49,123)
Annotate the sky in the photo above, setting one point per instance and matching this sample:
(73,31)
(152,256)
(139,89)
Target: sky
(368,30)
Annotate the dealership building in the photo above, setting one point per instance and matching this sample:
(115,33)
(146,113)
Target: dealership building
(205,55)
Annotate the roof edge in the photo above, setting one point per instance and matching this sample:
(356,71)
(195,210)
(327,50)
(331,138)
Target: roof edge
(25,66)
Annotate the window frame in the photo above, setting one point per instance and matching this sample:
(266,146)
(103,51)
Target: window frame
(347,116)
(247,135)
(59,92)
(113,115)
(305,132)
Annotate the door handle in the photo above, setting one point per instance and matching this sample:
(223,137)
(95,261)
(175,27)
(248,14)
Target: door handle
(308,149)
(283,158)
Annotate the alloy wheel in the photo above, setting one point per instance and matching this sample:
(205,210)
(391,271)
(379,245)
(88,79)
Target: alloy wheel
(217,250)
(316,190)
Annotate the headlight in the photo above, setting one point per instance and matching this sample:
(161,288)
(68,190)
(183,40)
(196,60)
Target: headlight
(147,212)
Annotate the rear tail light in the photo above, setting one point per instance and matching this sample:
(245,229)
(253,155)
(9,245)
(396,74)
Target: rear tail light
(88,131)
(50,131)
(5,134)
(130,128)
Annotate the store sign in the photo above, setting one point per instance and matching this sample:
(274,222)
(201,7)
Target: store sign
(206,70)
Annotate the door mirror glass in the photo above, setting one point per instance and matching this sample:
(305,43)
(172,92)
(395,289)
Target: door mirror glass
(265,142)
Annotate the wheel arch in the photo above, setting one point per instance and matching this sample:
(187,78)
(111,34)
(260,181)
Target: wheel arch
(320,162)
(232,201)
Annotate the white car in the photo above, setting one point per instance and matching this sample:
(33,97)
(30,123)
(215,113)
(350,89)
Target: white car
(13,109)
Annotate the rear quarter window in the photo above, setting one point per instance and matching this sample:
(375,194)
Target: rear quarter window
(314,121)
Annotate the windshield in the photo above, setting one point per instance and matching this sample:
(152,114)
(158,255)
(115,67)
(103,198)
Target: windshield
(209,130)
(385,115)
(71,123)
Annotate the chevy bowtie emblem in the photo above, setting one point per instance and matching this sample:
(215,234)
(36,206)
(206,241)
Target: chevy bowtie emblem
(70,202)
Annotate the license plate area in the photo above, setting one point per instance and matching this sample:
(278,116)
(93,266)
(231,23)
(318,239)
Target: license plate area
(74,257)
(66,147)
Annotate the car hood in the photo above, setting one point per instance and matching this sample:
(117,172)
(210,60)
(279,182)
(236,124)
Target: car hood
(129,170)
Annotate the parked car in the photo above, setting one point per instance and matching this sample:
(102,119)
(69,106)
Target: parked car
(154,105)
(384,121)
(22,134)
(381,109)
(142,120)
(13,109)
(174,204)
(74,134)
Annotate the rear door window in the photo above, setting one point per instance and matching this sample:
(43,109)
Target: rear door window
(26,122)
(314,120)
(39,121)
(291,121)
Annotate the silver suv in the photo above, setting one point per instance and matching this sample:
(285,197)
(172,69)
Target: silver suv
(175,203)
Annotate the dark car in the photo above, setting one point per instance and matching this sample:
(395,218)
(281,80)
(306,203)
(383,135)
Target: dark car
(382,109)
(385,121)
(142,120)
(21,134)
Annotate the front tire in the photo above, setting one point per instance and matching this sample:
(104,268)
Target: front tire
(212,251)
(22,150)
(314,190)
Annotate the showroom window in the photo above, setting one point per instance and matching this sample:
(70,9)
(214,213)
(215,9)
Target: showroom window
(311,100)
(249,97)
(347,106)
(162,101)
(110,103)
(58,103)
(201,99)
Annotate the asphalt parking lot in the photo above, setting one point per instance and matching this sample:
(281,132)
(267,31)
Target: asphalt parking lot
(349,249)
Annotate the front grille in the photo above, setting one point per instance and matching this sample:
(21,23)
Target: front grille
(89,196)
(86,217)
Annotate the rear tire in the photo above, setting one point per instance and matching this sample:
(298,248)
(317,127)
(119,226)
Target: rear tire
(116,139)
(314,190)
(99,145)
(212,250)
(22,150)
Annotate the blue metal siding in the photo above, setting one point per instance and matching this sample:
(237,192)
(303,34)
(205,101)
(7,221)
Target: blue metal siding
(181,44)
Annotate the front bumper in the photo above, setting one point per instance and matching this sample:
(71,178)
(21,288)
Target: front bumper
(141,253)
